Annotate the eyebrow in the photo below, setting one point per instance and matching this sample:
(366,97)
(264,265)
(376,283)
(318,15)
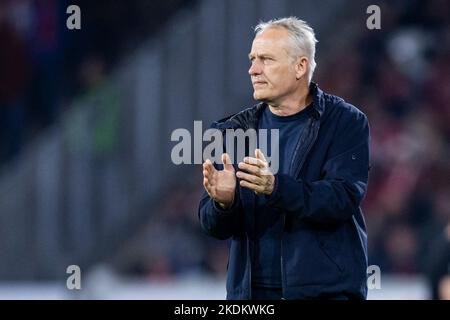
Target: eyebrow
(263,55)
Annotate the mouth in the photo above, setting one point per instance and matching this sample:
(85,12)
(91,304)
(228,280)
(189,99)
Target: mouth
(259,83)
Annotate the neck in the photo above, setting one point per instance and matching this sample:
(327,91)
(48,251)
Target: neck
(293,104)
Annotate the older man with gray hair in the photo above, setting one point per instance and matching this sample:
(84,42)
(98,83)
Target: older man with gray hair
(298,233)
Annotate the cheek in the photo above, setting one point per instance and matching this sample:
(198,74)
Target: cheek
(278,76)
(287,78)
(273,78)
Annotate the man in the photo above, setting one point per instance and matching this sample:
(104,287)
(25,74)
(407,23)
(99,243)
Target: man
(299,233)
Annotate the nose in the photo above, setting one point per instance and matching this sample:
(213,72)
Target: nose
(255,69)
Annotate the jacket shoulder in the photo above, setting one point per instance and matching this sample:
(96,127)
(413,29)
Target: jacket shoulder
(237,118)
(337,107)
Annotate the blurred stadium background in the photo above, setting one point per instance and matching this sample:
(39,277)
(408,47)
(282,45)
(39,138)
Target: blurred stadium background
(86,116)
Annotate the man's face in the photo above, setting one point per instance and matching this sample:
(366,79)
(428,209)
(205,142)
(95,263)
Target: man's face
(273,73)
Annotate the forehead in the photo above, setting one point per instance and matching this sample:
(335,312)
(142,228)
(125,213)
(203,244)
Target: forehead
(272,40)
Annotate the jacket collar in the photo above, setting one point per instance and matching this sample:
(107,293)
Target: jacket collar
(318,98)
(248,118)
(318,102)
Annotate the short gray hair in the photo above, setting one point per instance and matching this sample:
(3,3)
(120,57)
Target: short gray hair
(302,38)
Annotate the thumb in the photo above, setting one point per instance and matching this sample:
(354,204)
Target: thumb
(260,155)
(227,162)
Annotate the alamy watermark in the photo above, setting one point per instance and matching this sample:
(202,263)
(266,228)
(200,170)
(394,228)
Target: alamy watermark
(73,22)
(374,20)
(189,149)
(373,277)
(73,281)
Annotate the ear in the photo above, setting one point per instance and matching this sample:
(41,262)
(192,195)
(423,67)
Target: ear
(301,67)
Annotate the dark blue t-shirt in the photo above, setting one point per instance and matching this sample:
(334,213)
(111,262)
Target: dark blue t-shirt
(266,262)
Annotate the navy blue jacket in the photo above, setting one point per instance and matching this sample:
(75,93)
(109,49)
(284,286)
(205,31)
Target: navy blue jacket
(324,242)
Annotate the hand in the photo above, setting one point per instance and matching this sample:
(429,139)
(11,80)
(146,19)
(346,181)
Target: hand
(259,178)
(220,184)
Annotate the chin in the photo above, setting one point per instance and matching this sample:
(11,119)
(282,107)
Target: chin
(258,96)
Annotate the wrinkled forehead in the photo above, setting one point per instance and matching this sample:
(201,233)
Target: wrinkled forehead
(273,40)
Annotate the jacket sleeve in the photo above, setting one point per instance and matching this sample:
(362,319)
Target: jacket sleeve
(337,196)
(214,220)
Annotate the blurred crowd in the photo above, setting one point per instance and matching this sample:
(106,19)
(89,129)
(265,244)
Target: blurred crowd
(43,65)
(400,77)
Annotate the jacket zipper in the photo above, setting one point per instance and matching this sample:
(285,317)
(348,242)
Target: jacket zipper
(284,214)
(297,147)
(307,151)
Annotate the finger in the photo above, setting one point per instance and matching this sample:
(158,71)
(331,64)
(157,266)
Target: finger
(251,186)
(249,177)
(208,175)
(227,165)
(254,161)
(260,155)
(265,172)
(209,166)
(249,168)
(208,163)
(206,183)
(205,164)
(207,186)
